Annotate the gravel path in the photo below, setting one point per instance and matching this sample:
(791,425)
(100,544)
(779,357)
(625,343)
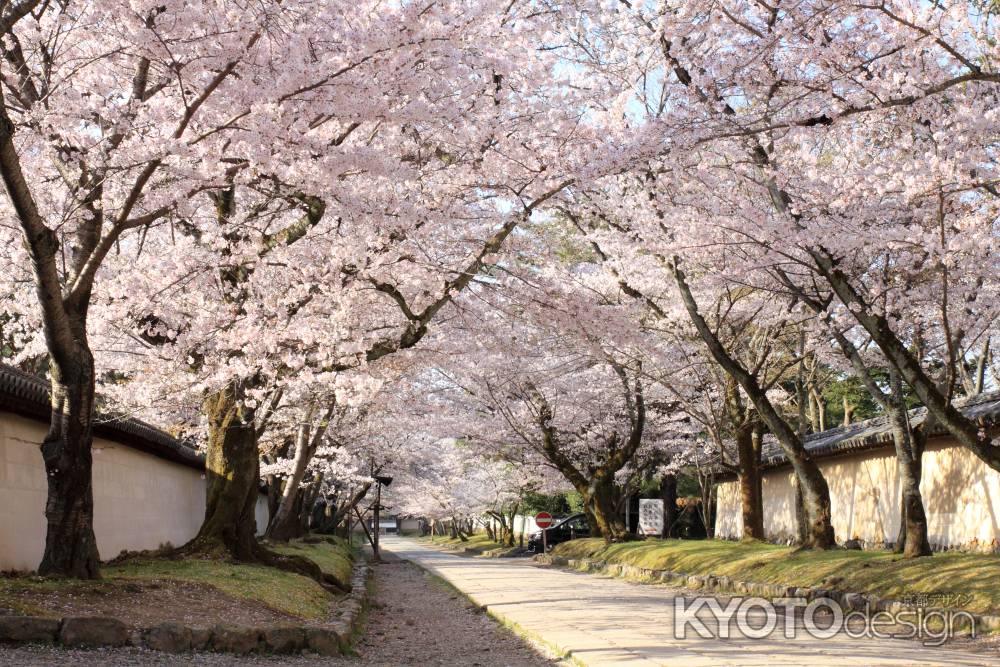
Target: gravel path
(420,621)
(415,620)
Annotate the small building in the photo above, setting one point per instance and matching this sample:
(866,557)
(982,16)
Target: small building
(408,525)
(961,493)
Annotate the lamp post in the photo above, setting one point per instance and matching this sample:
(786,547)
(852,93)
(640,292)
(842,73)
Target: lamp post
(380,481)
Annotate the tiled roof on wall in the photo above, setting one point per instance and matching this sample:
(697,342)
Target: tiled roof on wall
(875,432)
(28,396)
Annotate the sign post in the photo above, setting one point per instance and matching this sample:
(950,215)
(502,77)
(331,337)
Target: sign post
(543,520)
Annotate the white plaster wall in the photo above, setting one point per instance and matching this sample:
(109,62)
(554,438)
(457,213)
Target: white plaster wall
(409,526)
(728,517)
(961,496)
(261,514)
(140,501)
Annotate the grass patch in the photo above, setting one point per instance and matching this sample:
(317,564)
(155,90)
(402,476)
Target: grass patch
(333,555)
(285,591)
(13,588)
(960,579)
(477,543)
(282,591)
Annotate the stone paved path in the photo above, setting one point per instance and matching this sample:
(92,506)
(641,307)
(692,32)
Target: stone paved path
(604,621)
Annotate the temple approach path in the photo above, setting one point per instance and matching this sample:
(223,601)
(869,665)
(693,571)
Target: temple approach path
(603,621)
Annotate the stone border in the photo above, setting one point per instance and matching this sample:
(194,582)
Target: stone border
(720,584)
(500,552)
(170,637)
(504,552)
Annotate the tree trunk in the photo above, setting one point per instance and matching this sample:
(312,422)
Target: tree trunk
(275,484)
(751,495)
(912,536)
(706,481)
(308,499)
(342,511)
(232,468)
(913,541)
(70,544)
(321,518)
(801,519)
(603,500)
(588,513)
(275,491)
(821,404)
(512,518)
(282,525)
(668,493)
(285,524)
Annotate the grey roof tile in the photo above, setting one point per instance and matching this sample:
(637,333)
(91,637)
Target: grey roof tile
(28,396)
(875,432)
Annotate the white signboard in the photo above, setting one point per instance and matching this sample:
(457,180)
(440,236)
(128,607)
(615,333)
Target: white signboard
(650,516)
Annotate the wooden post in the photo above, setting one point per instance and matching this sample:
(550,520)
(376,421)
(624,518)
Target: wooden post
(367,534)
(377,528)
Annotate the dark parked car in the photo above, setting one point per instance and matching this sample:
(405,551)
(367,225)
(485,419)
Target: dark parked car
(564,530)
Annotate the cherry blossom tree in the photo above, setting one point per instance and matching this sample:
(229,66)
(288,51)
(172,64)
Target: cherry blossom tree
(220,157)
(594,234)
(553,379)
(841,151)
(119,112)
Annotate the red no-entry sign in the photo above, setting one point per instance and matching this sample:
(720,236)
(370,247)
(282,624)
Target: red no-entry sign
(543,519)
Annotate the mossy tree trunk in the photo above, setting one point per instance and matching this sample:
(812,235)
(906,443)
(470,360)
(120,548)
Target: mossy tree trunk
(747,433)
(70,543)
(232,468)
(602,496)
(233,472)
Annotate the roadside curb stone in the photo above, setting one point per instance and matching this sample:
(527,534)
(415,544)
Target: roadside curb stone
(28,629)
(323,641)
(93,631)
(169,637)
(234,639)
(282,639)
(200,637)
